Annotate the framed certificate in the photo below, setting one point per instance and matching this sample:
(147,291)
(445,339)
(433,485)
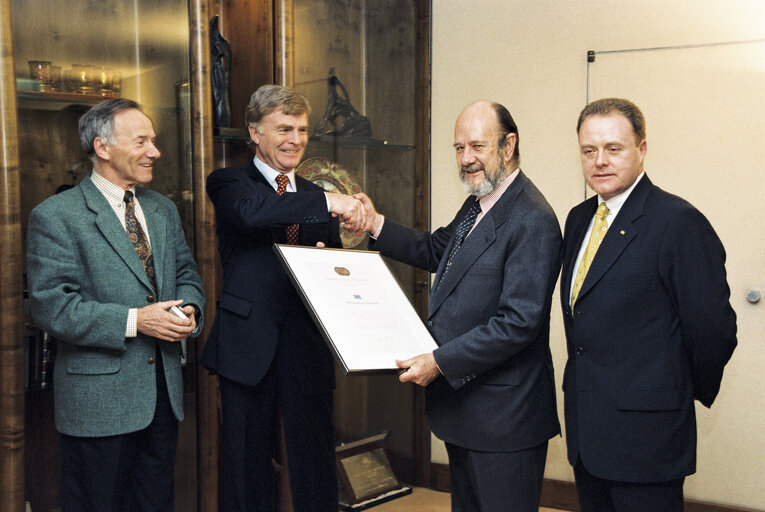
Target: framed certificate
(359,307)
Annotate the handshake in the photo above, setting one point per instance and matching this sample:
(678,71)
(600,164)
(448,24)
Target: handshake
(356,212)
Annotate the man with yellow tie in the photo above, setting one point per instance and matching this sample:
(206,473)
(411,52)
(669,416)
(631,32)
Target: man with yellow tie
(648,322)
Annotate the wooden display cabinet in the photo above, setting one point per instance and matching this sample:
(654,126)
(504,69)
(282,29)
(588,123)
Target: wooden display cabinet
(378,53)
(161,47)
(158,55)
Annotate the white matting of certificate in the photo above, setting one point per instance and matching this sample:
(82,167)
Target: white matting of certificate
(359,307)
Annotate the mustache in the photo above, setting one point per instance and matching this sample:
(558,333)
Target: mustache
(472,168)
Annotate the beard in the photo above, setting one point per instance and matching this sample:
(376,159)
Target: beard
(491,179)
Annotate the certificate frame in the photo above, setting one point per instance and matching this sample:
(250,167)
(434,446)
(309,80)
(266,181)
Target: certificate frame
(359,307)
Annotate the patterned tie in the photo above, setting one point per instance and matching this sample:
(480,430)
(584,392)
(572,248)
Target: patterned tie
(462,230)
(138,237)
(599,228)
(292,230)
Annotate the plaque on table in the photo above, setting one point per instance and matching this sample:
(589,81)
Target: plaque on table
(366,476)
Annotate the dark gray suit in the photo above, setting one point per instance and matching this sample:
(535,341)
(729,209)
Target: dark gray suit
(491,318)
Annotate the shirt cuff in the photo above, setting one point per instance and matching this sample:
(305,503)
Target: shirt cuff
(131,330)
(379,229)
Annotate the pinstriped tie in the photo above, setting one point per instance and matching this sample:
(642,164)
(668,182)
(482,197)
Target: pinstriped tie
(292,230)
(462,230)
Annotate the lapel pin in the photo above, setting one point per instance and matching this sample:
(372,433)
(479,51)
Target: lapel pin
(621,232)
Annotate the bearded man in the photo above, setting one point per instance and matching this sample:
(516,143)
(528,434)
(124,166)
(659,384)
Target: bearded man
(489,385)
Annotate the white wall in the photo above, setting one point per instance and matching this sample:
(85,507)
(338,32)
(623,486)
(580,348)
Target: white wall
(531,57)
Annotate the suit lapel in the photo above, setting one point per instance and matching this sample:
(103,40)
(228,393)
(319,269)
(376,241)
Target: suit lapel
(579,223)
(474,245)
(157,226)
(257,176)
(111,229)
(619,235)
(482,236)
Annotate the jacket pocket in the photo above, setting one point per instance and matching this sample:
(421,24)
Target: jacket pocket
(648,399)
(232,304)
(93,365)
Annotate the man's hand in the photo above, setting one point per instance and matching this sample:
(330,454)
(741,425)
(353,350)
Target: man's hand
(156,321)
(373,219)
(349,209)
(422,369)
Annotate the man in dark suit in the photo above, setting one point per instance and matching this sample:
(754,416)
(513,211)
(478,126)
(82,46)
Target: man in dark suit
(263,344)
(489,386)
(647,319)
(106,260)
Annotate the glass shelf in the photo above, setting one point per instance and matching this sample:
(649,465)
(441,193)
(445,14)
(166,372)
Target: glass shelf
(33,100)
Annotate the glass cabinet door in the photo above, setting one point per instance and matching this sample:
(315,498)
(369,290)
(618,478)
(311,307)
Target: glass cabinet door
(97,50)
(68,57)
(356,62)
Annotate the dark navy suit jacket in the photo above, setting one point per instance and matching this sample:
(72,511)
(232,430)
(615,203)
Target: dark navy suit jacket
(491,318)
(652,329)
(257,296)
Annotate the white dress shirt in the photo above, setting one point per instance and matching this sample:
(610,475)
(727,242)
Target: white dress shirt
(614,205)
(114,195)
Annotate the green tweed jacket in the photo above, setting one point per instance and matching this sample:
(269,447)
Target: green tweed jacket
(83,276)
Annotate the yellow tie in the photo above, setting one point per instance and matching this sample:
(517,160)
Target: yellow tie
(599,228)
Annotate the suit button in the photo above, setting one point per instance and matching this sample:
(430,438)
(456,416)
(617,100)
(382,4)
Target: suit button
(430,323)
(150,298)
(151,360)
(579,350)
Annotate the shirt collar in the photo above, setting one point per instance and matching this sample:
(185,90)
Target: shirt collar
(270,174)
(112,192)
(615,203)
(492,197)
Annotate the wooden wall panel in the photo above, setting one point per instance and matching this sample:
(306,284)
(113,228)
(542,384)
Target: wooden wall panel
(206,251)
(11,267)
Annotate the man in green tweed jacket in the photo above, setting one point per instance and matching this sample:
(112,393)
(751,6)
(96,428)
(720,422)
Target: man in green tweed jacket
(106,260)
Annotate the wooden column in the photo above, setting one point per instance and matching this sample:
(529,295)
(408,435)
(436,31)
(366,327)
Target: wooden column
(11,293)
(422,10)
(206,252)
(284,43)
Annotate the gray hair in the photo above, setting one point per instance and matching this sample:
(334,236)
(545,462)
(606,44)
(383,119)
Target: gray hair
(99,122)
(269,98)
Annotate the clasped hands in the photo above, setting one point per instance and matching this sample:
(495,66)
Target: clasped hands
(356,212)
(157,322)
